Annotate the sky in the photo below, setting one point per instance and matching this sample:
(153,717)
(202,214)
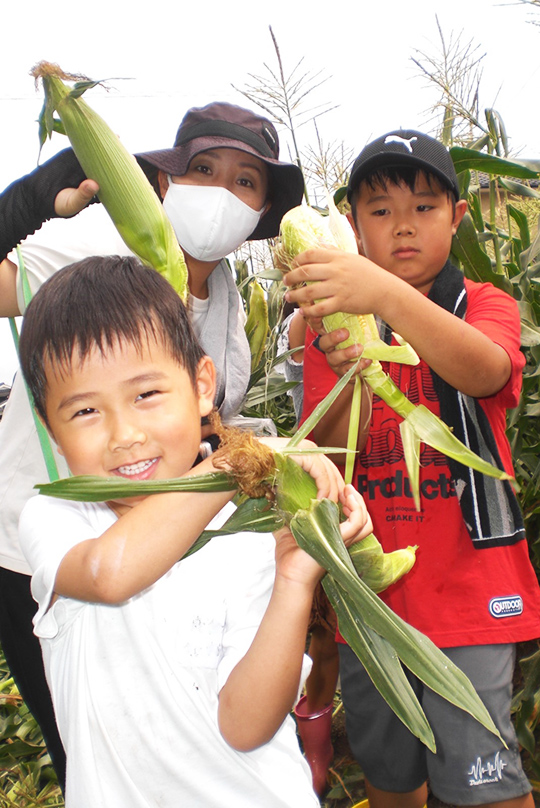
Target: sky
(162,57)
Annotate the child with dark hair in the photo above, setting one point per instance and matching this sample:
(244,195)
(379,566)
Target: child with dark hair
(221,183)
(473,589)
(158,667)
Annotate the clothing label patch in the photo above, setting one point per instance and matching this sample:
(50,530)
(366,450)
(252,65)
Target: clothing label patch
(490,771)
(506,607)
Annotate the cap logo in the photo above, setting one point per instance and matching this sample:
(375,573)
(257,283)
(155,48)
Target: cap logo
(269,137)
(407,142)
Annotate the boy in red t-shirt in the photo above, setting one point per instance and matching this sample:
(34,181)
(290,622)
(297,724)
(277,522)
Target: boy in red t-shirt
(473,590)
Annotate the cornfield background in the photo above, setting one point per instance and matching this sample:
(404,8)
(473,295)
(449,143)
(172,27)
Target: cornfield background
(498,242)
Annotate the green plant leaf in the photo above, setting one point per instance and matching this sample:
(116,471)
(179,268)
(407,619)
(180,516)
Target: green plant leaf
(518,189)
(322,408)
(475,262)
(381,663)
(87,488)
(480,161)
(316,530)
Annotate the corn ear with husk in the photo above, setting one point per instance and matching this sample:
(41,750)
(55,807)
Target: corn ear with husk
(302,228)
(378,636)
(256,327)
(124,189)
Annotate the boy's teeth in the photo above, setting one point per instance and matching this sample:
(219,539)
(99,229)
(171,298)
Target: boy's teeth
(136,468)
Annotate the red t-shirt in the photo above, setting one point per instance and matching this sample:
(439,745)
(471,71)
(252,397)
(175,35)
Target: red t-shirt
(455,594)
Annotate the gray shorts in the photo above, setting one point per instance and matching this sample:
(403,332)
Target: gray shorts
(471,766)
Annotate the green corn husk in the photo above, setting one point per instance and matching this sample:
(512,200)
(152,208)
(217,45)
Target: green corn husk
(257,323)
(124,189)
(378,569)
(316,531)
(302,228)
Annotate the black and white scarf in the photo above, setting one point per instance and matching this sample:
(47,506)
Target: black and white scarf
(489,506)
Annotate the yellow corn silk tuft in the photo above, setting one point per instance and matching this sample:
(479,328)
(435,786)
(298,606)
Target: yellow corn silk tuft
(303,228)
(124,190)
(243,457)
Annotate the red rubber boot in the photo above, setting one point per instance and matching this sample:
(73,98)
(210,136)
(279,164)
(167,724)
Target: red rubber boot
(314,730)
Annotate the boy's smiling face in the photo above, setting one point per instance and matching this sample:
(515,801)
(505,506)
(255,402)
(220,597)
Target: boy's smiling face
(129,412)
(409,233)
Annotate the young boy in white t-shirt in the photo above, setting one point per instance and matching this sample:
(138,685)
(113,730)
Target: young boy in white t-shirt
(171,680)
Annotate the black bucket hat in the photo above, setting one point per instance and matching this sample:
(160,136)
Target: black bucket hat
(405,147)
(219,125)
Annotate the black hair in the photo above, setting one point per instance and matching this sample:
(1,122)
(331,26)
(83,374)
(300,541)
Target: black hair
(98,302)
(400,175)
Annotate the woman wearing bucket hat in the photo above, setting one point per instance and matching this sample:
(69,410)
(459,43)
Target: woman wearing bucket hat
(222,183)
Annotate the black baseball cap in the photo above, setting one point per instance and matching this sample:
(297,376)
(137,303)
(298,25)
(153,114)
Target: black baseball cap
(223,125)
(405,147)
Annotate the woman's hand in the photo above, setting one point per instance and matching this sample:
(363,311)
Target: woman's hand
(70,201)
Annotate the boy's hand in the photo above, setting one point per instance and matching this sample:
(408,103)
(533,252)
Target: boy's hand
(70,201)
(326,475)
(341,359)
(338,280)
(295,565)
(358,523)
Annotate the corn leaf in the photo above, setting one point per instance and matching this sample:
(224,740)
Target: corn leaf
(87,488)
(316,530)
(381,663)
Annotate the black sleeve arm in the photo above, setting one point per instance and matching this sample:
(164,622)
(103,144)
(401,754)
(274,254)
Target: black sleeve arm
(29,202)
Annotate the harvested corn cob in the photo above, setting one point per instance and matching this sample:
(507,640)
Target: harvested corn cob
(302,228)
(123,187)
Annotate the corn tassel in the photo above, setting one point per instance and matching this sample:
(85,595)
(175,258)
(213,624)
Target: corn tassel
(302,228)
(123,187)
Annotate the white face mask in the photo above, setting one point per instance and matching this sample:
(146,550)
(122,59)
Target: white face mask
(209,221)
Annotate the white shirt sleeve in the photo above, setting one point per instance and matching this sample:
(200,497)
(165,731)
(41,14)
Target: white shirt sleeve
(48,529)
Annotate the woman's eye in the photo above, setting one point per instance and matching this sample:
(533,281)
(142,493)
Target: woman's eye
(245,182)
(202,169)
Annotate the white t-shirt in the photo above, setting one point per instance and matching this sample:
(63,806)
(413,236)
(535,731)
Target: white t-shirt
(135,686)
(58,243)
